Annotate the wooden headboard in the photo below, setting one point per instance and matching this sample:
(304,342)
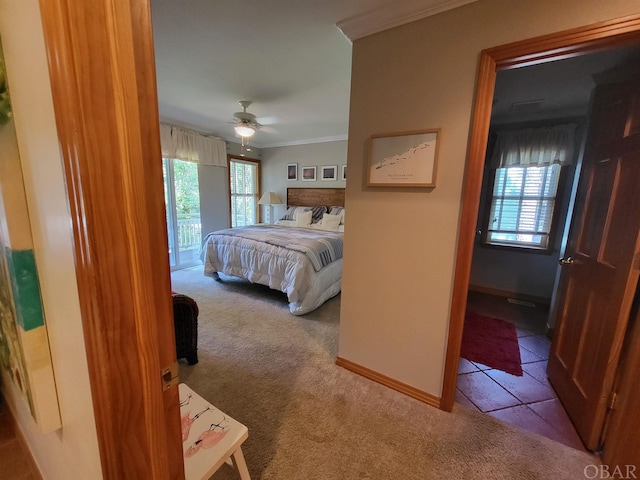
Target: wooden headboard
(309,197)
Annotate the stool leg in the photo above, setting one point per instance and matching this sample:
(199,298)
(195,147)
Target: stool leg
(240,464)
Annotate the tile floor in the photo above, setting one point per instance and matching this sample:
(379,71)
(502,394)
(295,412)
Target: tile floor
(528,402)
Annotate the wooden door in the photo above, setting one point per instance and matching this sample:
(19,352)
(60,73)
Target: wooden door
(103,83)
(599,281)
(622,435)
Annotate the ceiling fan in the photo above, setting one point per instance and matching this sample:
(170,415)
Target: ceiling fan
(245,122)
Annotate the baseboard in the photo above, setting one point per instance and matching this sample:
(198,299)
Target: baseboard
(390,382)
(504,293)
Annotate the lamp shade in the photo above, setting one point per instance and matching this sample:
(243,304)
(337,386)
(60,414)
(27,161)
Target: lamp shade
(244,130)
(270,198)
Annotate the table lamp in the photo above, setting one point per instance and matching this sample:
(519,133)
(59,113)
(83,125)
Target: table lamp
(271,199)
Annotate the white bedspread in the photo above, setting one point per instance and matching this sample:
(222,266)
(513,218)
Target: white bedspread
(287,270)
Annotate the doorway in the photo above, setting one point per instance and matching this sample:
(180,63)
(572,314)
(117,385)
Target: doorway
(532,52)
(539,112)
(182,200)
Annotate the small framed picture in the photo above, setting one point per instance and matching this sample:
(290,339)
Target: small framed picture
(406,159)
(330,173)
(344,172)
(308,174)
(292,171)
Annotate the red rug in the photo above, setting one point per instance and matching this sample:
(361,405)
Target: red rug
(492,342)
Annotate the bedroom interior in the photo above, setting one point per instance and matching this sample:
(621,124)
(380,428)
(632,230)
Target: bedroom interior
(300,254)
(442,98)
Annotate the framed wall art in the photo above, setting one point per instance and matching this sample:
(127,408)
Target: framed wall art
(407,159)
(344,172)
(292,171)
(308,174)
(25,356)
(329,173)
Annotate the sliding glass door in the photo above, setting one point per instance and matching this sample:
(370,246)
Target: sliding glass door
(182,199)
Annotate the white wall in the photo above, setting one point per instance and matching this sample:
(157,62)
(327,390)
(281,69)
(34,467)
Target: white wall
(214,197)
(71,452)
(401,243)
(274,167)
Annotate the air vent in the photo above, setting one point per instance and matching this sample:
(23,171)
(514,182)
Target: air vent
(527,106)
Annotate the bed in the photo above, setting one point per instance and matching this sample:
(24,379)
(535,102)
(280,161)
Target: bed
(300,255)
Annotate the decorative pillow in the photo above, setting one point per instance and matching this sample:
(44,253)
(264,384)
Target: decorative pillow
(330,222)
(303,219)
(318,212)
(338,211)
(291,212)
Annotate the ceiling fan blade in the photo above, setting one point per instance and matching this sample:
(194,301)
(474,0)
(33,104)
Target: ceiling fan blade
(267,120)
(268,129)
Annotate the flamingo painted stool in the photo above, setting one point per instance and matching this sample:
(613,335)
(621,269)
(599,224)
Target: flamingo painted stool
(209,438)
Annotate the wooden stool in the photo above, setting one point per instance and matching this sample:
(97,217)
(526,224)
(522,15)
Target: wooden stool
(209,437)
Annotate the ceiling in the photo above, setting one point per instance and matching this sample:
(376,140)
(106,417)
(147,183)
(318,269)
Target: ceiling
(553,89)
(292,59)
(286,56)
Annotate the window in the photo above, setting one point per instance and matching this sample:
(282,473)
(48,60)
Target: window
(243,183)
(526,167)
(182,199)
(522,206)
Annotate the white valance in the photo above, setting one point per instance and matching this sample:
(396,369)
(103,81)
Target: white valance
(193,147)
(534,147)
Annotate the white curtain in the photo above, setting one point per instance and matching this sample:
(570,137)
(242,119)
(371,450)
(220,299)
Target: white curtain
(166,144)
(193,147)
(534,147)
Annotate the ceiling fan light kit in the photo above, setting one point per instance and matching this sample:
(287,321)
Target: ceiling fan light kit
(245,122)
(244,130)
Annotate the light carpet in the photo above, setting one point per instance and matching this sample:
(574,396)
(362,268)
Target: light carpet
(310,419)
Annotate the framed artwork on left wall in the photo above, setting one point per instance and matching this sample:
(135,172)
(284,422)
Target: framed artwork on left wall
(25,356)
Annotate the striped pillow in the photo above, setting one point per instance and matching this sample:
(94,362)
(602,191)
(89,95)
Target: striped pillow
(316,213)
(292,212)
(338,211)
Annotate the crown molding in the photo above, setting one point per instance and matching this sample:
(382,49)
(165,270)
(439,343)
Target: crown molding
(394,15)
(308,141)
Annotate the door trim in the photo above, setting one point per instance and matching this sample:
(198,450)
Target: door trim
(102,72)
(566,44)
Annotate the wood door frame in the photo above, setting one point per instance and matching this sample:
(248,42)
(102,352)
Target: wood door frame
(103,81)
(621,432)
(600,36)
